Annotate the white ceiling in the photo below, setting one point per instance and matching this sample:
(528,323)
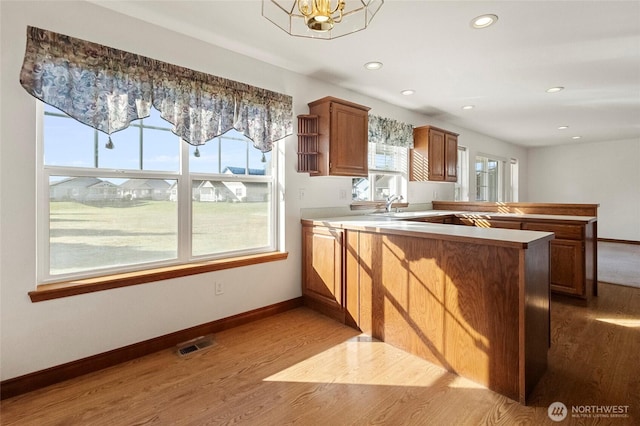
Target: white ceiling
(592,48)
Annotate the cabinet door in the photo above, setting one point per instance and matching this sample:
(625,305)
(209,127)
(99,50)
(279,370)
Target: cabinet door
(451,158)
(436,155)
(349,141)
(567,267)
(322,258)
(418,155)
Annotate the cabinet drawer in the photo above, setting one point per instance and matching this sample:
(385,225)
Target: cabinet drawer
(438,219)
(562,231)
(490,223)
(506,224)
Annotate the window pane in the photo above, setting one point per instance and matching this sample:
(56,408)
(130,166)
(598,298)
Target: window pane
(230,216)
(231,151)
(360,190)
(234,151)
(205,158)
(68,142)
(461,186)
(258,161)
(489,184)
(387,174)
(160,150)
(147,144)
(103,223)
(384,186)
(125,154)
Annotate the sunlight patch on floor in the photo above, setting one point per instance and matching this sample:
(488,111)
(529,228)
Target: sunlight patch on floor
(462,383)
(363,361)
(624,322)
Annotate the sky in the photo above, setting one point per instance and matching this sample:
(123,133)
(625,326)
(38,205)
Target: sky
(70,143)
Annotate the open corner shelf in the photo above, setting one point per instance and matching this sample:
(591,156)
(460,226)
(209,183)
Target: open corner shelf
(308,133)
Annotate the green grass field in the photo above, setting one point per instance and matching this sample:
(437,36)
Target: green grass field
(88,236)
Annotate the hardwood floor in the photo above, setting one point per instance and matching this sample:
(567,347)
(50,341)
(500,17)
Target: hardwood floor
(301,367)
(619,263)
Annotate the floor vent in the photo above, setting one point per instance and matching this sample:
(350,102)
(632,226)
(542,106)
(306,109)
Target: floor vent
(194,345)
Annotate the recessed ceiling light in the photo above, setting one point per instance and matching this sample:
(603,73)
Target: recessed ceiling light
(468,107)
(483,21)
(576,137)
(555,89)
(563,127)
(373,65)
(408,92)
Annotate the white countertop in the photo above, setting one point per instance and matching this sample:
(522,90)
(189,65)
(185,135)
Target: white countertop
(484,215)
(393,225)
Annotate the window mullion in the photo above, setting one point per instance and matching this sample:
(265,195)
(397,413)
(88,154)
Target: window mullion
(184,205)
(42,200)
(141,142)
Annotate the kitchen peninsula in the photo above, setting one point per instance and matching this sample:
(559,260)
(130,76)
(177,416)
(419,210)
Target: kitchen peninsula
(472,300)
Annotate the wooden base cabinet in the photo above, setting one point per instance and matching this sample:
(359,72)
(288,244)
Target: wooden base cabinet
(573,252)
(322,270)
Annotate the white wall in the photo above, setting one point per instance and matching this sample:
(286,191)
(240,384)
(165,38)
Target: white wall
(35,336)
(605,173)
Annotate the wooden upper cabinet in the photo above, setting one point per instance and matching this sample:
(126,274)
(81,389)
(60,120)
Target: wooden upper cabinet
(343,129)
(451,157)
(434,155)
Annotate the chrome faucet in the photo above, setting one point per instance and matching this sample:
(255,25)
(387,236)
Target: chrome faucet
(390,200)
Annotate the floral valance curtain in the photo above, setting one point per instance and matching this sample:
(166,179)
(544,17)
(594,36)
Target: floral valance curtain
(387,131)
(107,89)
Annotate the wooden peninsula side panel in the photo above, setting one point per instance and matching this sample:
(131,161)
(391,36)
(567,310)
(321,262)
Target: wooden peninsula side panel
(480,311)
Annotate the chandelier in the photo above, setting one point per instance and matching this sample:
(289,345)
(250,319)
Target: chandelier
(323,19)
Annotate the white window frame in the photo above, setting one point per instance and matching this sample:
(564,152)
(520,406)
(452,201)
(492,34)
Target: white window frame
(461,187)
(398,170)
(183,178)
(514,180)
(500,186)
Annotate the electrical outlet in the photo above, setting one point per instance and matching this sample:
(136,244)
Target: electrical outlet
(301,193)
(343,194)
(219,288)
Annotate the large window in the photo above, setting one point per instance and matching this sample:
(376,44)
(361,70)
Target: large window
(489,179)
(387,174)
(514,173)
(461,187)
(145,198)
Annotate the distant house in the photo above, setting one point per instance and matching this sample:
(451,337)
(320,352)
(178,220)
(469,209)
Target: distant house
(145,189)
(82,189)
(229,191)
(246,191)
(204,190)
(201,190)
